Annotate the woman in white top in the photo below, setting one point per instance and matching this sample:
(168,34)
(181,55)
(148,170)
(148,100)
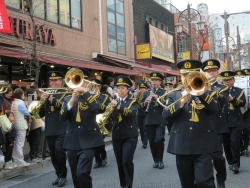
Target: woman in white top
(20,111)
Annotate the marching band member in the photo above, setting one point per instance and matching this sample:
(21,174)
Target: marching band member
(211,70)
(154,121)
(236,99)
(55,128)
(125,131)
(141,116)
(193,138)
(83,135)
(104,100)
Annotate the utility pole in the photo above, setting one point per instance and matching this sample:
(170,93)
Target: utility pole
(190,32)
(239,46)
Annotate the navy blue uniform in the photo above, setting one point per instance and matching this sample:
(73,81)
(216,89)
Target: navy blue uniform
(235,123)
(125,138)
(193,138)
(82,137)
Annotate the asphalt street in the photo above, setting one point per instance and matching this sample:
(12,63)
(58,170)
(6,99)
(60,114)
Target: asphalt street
(145,176)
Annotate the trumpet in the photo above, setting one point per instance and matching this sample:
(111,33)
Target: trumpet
(196,84)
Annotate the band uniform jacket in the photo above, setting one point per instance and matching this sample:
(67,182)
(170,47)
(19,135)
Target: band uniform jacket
(232,108)
(154,116)
(53,124)
(125,125)
(82,131)
(104,101)
(192,131)
(219,120)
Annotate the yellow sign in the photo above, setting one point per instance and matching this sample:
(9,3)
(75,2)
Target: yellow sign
(185,55)
(143,51)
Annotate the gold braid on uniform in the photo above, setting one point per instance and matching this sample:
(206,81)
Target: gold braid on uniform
(238,101)
(127,110)
(80,106)
(103,103)
(59,101)
(222,90)
(194,116)
(93,98)
(209,98)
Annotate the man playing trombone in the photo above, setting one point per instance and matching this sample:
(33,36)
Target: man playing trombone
(193,138)
(154,121)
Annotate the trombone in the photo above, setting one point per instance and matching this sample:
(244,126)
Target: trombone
(195,83)
(74,78)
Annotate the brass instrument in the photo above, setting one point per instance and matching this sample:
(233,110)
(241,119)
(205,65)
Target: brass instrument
(146,111)
(196,84)
(103,120)
(74,78)
(3,87)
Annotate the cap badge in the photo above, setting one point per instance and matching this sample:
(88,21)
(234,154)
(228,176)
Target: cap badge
(142,85)
(187,65)
(210,63)
(53,74)
(120,80)
(154,75)
(225,74)
(239,73)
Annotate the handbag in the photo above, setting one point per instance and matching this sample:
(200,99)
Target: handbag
(5,123)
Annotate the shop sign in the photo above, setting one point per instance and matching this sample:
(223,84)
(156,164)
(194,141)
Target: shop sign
(24,29)
(143,51)
(4,21)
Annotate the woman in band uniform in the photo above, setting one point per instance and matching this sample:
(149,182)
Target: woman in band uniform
(125,132)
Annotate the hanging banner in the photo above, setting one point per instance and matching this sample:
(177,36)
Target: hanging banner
(4,20)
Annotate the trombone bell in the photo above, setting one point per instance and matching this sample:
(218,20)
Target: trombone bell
(74,78)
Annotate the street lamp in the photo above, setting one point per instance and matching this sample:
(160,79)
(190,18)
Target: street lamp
(225,16)
(179,27)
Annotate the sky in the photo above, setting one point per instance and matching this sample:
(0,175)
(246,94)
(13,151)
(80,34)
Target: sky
(214,6)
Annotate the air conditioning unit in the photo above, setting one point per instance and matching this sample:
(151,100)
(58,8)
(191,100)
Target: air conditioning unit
(94,55)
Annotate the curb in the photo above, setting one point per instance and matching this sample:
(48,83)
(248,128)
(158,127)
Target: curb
(8,174)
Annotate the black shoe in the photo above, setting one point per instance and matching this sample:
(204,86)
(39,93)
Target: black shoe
(97,165)
(104,162)
(55,182)
(144,146)
(39,156)
(246,152)
(62,182)
(235,169)
(221,185)
(161,165)
(45,156)
(230,167)
(156,165)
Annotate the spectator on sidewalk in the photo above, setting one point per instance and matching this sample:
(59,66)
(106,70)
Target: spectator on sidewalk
(20,111)
(7,99)
(10,139)
(111,87)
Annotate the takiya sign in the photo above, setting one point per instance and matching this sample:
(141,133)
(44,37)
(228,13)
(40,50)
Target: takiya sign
(24,29)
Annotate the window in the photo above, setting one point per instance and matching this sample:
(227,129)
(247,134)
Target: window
(64,12)
(116,27)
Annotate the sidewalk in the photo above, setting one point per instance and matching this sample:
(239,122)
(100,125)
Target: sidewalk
(8,174)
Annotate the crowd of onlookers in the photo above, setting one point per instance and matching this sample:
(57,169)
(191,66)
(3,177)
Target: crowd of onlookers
(25,128)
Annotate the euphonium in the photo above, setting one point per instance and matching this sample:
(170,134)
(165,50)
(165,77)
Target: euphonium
(103,119)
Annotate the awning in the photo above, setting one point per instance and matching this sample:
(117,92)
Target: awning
(14,54)
(89,65)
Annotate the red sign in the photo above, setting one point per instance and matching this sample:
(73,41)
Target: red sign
(4,20)
(205,31)
(204,43)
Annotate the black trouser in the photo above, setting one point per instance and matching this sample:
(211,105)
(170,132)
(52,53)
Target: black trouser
(34,140)
(100,154)
(124,153)
(80,162)
(232,146)
(244,139)
(156,136)
(169,126)
(58,154)
(220,162)
(143,129)
(195,171)
(8,151)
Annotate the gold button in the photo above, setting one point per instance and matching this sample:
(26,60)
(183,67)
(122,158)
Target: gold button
(190,120)
(208,131)
(228,112)
(191,128)
(220,116)
(174,131)
(79,127)
(131,126)
(189,111)
(49,112)
(95,129)
(118,127)
(154,110)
